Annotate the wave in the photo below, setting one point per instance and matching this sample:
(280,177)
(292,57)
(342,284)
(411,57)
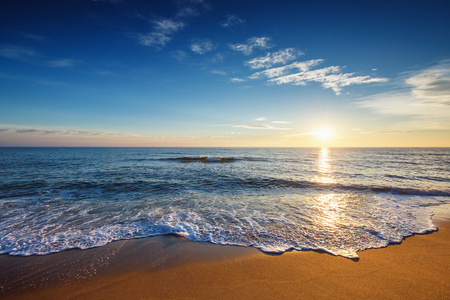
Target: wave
(274,200)
(275,226)
(434,178)
(276,183)
(411,191)
(396,176)
(213,183)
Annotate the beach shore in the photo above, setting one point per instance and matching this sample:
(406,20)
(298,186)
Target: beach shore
(169,267)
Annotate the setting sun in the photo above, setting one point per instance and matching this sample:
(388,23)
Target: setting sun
(324,133)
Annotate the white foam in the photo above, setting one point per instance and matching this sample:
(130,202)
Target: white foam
(341,224)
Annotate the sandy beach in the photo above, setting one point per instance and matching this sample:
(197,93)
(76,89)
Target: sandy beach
(205,149)
(169,267)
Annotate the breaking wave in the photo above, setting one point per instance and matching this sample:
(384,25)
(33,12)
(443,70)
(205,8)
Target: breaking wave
(340,202)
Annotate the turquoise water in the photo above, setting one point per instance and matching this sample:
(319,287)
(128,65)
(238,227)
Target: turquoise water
(337,200)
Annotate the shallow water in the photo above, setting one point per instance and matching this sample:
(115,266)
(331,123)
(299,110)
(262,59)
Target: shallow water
(337,200)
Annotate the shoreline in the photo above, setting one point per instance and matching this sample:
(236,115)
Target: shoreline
(172,267)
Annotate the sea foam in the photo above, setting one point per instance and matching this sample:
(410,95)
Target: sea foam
(336,200)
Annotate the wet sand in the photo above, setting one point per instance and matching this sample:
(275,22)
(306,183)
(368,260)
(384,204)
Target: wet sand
(168,267)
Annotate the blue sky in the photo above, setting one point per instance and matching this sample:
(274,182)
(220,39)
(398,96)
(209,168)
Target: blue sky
(224,73)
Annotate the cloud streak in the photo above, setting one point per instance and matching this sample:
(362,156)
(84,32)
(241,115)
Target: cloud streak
(432,85)
(191,8)
(219,72)
(267,61)
(280,71)
(29,55)
(330,77)
(61,63)
(35,37)
(251,44)
(164,29)
(55,132)
(232,20)
(388,132)
(201,47)
(17,52)
(259,126)
(256,127)
(16,135)
(424,97)
(42,81)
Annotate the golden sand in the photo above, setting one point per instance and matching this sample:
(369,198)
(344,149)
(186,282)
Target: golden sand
(173,268)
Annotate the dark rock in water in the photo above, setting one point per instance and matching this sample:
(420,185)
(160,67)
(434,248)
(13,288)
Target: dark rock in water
(206,159)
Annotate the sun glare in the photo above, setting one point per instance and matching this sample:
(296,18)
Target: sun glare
(324,133)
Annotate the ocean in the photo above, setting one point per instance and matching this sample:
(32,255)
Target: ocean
(338,200)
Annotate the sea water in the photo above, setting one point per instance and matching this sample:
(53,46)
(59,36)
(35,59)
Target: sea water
(276,199)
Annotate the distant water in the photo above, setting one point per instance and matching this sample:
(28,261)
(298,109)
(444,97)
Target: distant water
(337,200)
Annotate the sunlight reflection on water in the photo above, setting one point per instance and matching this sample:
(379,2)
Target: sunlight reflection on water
(324,167)
(337,200)
(332,207)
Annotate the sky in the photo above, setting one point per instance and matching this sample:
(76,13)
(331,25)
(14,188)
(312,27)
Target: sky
(225,73)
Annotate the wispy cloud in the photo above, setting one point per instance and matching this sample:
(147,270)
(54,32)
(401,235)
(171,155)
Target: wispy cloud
(38,131)
(387,132)
(235,79)
(179,55)
(14,130)
(34,37)
(251,44)
(423,95)
(270,59)
(330,77)
(256,126)
(25,136)
(280,122)
(260,119)
(259,126)
(162,33)
(217,58)
(232,20)
(298,73)
(29,55)
(219,72)
(191,8)
(392,103)
(165,28)
(17,52)
(37,80)
(280,71)
(432,85)
(201,47)
(61,63)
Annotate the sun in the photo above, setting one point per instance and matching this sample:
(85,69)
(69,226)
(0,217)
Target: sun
(324,133)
